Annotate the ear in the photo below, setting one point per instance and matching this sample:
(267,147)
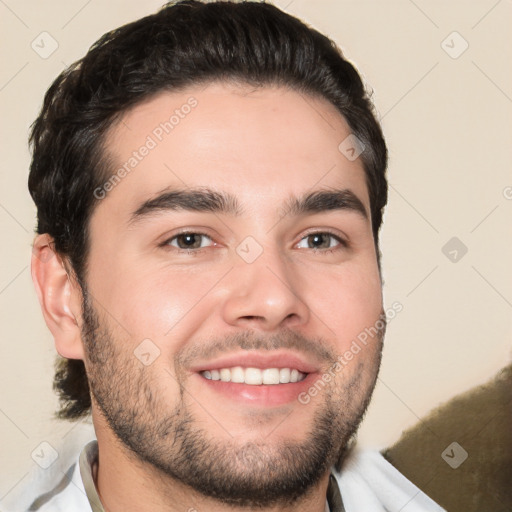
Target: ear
(60,297)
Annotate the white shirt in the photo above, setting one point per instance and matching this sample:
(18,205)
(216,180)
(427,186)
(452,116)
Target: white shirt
(367,483)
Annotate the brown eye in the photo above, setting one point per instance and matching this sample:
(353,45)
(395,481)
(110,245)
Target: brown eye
(189,241)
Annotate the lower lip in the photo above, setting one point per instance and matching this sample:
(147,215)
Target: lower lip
(269,395)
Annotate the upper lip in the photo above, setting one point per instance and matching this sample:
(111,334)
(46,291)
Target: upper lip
(258,359)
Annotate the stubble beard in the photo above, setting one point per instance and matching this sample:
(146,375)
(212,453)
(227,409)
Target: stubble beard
(246,474)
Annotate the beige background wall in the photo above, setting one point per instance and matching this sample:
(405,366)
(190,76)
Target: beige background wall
(447,115)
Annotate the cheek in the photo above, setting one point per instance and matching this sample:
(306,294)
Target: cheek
(160,305)
(347,301)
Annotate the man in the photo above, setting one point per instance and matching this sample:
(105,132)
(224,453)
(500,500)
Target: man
(210,182)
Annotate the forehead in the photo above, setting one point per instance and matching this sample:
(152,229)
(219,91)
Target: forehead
(263,145)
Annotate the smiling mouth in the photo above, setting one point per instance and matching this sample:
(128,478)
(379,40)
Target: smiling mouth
(255,376)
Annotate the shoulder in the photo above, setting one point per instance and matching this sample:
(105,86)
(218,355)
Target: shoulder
(67,496)
(369,482)
(59,487)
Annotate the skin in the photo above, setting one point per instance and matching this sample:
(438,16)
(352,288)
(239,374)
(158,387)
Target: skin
(262,146)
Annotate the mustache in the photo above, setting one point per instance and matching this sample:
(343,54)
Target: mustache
(315,348)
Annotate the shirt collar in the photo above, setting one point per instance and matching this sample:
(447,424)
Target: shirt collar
(88,462)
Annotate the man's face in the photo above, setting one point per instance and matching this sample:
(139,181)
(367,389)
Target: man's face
(258,266)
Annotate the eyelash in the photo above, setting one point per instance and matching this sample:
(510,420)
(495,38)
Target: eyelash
(193,252)
(343,244)
(190,252)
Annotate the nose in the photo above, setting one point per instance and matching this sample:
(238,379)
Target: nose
(265,294)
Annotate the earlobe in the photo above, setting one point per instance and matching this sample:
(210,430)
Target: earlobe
(59,297)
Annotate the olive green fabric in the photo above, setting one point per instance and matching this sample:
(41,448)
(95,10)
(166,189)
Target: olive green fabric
(480,422)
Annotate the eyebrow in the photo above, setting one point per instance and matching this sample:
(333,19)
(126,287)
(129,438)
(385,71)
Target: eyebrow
(196,200)
(207,200)
(325,200)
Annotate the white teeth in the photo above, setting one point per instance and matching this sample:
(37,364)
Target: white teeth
(255,376)
(270,376)
(237,374)
(284,375)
